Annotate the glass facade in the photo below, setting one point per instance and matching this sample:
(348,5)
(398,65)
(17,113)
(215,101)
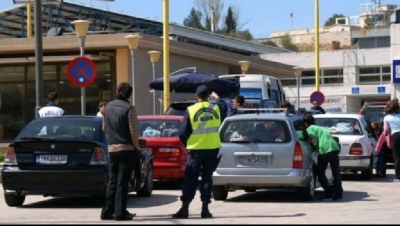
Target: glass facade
(18,95)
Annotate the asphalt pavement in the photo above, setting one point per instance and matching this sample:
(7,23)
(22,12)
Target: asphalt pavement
(364,202)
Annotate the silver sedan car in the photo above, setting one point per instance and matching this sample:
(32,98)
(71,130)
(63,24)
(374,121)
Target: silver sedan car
(265,151)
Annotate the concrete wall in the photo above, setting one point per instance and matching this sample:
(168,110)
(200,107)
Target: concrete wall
(143,75)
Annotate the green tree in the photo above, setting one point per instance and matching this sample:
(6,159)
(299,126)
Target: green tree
(193,20)
(230,21)
(332,20)
(286,43)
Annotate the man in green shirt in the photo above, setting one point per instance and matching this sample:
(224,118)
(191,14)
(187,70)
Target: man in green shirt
(328,153)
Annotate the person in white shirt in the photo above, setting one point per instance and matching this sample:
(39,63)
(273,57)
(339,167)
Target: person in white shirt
(51,109)
(102,108)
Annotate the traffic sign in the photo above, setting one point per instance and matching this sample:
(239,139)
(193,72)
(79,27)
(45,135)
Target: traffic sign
(396,71)
(318,97)
(81,71)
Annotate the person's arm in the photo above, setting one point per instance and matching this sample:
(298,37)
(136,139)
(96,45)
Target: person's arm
(386,127)
(134,126)
(322,110)
(223,108)
(185,130)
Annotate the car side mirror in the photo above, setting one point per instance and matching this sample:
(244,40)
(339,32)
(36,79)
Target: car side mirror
(142,143)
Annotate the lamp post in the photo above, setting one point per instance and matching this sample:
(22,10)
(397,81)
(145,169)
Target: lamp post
(154,58)
(81,30)
(297,73)
(133,43)
(244,65)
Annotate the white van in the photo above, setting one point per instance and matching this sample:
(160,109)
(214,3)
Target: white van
(260,87)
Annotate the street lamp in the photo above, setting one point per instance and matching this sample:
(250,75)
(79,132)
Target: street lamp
(297,73)
(154,58)
(244,65)
(133,43)
(81,30)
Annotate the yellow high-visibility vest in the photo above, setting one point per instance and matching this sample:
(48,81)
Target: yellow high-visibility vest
(205,119)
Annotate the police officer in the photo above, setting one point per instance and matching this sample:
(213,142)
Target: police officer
(51,109)
(199,133)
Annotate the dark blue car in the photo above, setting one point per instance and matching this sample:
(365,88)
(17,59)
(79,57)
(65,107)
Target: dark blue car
(65,156)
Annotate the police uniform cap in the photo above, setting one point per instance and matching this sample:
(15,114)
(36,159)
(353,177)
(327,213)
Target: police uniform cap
(202,91)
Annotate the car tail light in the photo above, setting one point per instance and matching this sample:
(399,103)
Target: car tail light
(10,158)
(361,112)
(297,157)
(98,157)
(173,152)
(356,149)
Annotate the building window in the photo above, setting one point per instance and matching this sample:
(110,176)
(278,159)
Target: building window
(12,74)
(49,72)
(308,78)
(374,75)
(288,82)
(12,108)
(333,76)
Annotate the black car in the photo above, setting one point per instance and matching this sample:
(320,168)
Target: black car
(65,156)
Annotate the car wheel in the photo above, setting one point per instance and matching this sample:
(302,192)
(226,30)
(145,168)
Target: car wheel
(14,200)
(308,192)
(147,189)
(220,193)
(368,173)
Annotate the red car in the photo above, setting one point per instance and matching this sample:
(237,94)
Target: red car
(169,154)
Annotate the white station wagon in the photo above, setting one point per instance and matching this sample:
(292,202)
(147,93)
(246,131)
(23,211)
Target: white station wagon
(264,151)
(356,143)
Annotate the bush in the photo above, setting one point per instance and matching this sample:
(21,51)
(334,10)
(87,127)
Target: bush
(2,158)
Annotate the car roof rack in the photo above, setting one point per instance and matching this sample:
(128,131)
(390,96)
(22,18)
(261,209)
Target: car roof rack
(266,110)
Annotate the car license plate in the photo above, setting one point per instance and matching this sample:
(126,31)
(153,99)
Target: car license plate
(51,159)
(148,150)
(253,160)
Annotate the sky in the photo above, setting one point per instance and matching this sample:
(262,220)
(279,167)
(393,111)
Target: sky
(261,17)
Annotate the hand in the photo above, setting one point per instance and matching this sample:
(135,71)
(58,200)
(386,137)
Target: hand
(214,95)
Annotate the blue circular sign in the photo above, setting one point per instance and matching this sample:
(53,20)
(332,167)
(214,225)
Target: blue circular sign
(318,97)
(81,71)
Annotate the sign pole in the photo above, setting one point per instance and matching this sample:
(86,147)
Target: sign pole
(83,89)
(38,55)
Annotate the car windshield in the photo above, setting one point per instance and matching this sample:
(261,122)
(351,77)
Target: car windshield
(61,129)
(341,126)
(159,128)
(374,113)
(260,131)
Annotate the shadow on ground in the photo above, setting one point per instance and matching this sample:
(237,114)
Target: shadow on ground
(264,196)
(97,202)
(357,177)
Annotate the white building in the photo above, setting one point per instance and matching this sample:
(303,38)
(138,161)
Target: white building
(347,78)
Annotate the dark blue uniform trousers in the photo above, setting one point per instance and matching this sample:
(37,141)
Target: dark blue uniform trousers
(203,161)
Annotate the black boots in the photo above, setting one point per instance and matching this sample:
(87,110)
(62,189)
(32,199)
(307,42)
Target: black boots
(205,212)
(183,212)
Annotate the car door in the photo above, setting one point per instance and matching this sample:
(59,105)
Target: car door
(370,139)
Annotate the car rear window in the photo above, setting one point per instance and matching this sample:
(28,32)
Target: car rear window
(260,131)
(159,128)
(62,129)
(341,126)
(374,113)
